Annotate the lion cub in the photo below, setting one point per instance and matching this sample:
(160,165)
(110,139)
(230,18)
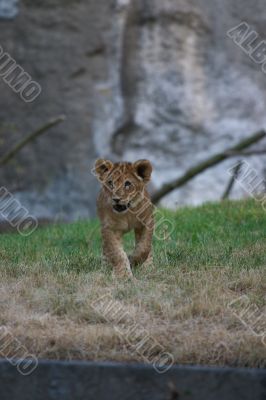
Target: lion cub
(123,205)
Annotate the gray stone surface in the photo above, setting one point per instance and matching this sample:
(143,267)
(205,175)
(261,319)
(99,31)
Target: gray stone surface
(60,44)
(8,8)
(181,89)
(136,78)
(106,381)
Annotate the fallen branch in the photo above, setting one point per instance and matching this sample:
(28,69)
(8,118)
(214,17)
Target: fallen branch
(232,180)
(208,163)
(30,138)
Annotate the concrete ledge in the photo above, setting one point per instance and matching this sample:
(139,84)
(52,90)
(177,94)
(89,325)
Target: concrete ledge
(60,380)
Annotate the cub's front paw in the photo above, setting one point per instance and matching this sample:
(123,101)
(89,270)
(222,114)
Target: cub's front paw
(123,272)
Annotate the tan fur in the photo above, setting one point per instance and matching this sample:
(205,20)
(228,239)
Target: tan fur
(124,185)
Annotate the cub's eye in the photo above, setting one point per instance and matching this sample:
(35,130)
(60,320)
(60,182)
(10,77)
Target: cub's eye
(127,184)
(110,184)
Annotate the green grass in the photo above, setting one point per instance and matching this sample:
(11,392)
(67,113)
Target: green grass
(226,234)
(215,253)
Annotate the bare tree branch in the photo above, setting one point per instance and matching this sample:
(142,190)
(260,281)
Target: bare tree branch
(248,153)
(208,163)
(232,180)
(30,138)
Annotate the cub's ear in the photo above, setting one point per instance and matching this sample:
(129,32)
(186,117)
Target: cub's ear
(143,169)
(102,168)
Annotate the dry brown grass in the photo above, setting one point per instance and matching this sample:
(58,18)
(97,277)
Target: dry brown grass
(54,316)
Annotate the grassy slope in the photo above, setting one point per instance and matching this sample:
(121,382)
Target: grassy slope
(215,254)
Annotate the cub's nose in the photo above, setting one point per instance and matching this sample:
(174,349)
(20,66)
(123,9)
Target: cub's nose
(116,200)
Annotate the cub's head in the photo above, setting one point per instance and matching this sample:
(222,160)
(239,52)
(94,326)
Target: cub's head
(123,182)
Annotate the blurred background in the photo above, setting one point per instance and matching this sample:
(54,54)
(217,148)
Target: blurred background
(135,79)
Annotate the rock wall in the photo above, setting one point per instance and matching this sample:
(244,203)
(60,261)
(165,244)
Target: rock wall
(182,90)
(139,78)
(8,8)
(60,44)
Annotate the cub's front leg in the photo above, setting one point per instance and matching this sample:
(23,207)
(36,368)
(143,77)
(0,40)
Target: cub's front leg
(114,253)
(143,246)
